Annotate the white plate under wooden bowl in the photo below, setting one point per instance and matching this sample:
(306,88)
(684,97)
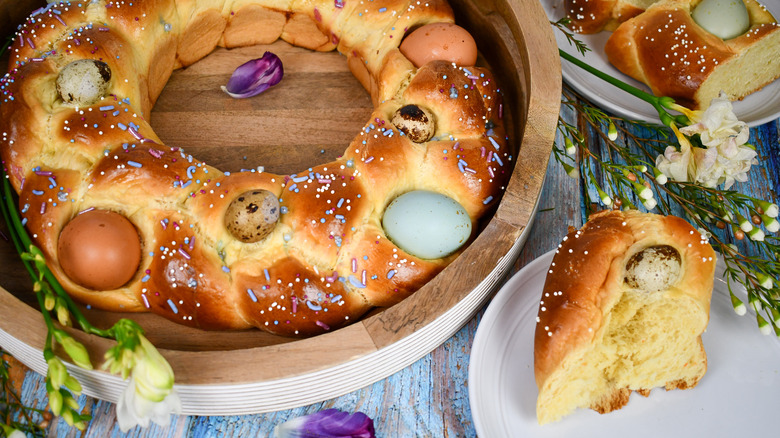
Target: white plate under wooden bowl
(309,119)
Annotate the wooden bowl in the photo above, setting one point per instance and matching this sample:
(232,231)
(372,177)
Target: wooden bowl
(230,373)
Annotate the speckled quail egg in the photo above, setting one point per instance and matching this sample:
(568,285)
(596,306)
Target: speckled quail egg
(653,269)
(426,224)
(415,122)
(84,82)
(252,215)
(725,19)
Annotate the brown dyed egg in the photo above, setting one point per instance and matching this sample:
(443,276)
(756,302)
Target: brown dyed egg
(99,249)
(440,41)
(415,122)
(252,215)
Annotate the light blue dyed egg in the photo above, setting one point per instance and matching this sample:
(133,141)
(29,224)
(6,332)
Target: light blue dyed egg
(723,18)
(427,225)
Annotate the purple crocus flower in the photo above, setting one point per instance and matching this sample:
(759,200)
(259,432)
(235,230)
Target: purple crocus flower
(329,423)
(255,76)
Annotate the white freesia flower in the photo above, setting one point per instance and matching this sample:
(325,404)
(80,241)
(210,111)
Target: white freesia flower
(718,124)
(675,163)
(725,159)
(149,395)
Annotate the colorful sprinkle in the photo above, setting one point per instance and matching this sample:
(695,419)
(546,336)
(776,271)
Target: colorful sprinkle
(173,306)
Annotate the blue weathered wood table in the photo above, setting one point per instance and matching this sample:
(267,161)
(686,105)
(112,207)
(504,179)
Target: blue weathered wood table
(430,397)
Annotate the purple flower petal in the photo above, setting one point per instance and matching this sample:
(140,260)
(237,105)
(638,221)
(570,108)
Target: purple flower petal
(329,423)
(255,76)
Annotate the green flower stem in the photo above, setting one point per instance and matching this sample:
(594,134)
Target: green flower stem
(17,240)
(14,237)
(661,104)
(22,241)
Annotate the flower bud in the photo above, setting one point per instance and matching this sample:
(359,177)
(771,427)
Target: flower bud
(73,384)
(63,314)
(763,325)
(667,102)
(650,203)
(642,191)
(49,301)
(626,204)
(67,415)
(738,305)
(570,148)
(660,177)
(571,171)
(666,119)
(772,225)
(55,402)
(71,402)
(605,199)
(744,224)
(768,208)
(755,303)
(764,280)
(756,234)
(77,352)
(152,373)
(10,432)
(57,372)
(612,131)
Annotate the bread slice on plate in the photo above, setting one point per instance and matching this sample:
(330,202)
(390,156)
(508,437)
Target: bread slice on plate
(666,49)
(624,305)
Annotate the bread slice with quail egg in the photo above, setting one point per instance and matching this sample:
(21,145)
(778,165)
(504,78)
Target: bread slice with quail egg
(623,307)
(692,50)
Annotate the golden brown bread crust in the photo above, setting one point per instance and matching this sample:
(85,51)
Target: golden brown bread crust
(585,281)
(593,16)
(665,49)
(328,260)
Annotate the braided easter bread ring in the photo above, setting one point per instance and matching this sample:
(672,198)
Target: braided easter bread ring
(326,258)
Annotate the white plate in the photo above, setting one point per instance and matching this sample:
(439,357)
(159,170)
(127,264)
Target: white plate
(756,109)
(738,395)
